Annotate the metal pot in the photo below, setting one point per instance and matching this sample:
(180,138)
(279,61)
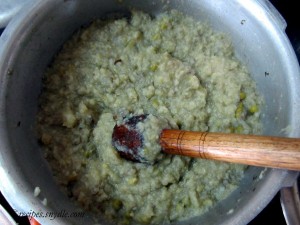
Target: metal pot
(8,9)
(290,203)
(31,40)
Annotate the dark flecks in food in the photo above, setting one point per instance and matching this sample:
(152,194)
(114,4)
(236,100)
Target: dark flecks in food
(117,61)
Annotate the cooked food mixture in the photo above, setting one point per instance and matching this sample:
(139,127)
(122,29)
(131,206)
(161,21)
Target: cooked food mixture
(169,67)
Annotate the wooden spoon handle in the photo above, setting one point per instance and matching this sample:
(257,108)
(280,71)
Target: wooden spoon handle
(275,152)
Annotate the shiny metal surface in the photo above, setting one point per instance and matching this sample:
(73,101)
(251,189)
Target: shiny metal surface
(5,218)
(290,202)
(37,33)
(10,8)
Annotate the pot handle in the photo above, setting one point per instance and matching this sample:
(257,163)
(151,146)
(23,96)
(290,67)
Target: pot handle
(290,178)
(290,203)
(274,13)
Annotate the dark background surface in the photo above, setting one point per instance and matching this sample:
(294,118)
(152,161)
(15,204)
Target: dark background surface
(289,9)
(272,214)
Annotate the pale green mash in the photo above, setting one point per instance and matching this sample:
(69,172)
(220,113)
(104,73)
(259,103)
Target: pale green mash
(171,67)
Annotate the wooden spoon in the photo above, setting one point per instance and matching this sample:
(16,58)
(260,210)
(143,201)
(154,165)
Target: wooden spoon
(266,151)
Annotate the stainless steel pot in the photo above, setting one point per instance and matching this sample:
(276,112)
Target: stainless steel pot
(31,40)
(290,203)
(8,9)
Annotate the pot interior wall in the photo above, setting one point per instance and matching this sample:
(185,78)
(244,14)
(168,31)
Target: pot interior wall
(53,22)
